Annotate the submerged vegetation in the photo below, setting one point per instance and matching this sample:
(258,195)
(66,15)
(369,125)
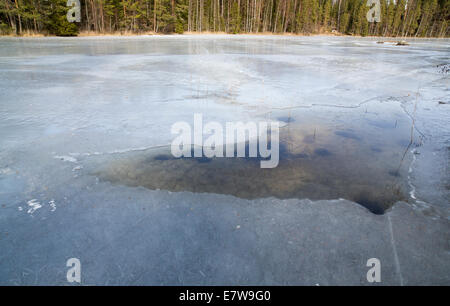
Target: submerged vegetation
(412,18)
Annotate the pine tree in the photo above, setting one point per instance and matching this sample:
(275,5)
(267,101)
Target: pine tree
(326,12)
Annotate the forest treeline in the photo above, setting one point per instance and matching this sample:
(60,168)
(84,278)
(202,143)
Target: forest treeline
(411,18)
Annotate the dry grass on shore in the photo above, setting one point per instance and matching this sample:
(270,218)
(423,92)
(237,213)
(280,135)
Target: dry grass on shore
(151,33)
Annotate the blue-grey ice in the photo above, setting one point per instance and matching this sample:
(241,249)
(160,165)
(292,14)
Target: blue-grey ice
(67,104)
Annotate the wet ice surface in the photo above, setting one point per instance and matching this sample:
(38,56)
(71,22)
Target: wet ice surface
(84,121)
(325,153)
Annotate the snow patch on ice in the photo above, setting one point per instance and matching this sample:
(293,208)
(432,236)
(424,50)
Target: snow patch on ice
(77,168)
(52,205)
(6,171)
(116,151)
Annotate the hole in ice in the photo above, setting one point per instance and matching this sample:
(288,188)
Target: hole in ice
(319,159)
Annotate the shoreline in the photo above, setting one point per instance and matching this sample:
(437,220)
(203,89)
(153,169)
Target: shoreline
(205,33)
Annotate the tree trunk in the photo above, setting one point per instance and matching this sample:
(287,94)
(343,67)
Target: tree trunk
(19,18)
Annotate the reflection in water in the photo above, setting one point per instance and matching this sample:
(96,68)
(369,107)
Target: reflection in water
(323,155)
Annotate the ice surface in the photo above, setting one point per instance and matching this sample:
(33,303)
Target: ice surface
(69,103)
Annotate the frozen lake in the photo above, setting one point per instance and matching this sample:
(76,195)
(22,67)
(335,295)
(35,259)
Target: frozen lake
(86,171)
